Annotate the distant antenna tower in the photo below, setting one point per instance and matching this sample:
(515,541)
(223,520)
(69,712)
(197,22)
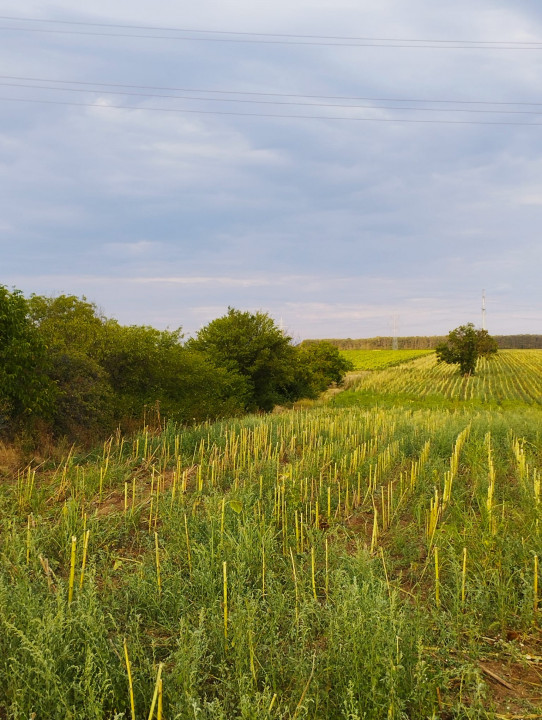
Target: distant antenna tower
(281,326)
(395,341)
(483,309)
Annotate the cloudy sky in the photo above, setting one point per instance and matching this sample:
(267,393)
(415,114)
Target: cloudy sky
(336,163)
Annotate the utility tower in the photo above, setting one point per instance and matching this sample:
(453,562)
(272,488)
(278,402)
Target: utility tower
(483,309)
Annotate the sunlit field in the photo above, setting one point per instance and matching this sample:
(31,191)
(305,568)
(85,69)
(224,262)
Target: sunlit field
(512,377)
(380,359)
(331,563)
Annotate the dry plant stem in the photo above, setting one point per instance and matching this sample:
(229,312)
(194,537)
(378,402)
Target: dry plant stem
(225,595)
(157,555)
(313,573)
(437,579)
(305,689)
(188,553)
(263,569)
(28,538)
(130,682)
(160,700)
(84,560)
(535,586)
(156,690)
(296,588)
(463,577)
(385,571)
(72,569)
(327,569)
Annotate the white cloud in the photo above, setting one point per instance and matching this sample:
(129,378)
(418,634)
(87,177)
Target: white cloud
(164,217)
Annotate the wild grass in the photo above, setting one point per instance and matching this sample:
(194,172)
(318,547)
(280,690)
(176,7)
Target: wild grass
(336,563)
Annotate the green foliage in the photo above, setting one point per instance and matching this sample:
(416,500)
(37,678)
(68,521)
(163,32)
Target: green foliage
(464,346)
(149,367)
(251,345)
(73,330)
(105,373)
(25,392)
(318,366)
(68,323)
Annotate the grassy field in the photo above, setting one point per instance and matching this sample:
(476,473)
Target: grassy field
(511,378)
(380,359)
(336,563)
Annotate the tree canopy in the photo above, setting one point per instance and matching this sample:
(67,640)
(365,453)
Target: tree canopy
(82,374)
(319,364)
(464,346)
(25,390)
(251,345)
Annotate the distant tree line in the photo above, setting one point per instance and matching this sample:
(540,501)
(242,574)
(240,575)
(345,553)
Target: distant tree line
(68,370)
(429,342)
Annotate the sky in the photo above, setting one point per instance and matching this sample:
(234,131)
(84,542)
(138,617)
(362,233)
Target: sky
(282,175)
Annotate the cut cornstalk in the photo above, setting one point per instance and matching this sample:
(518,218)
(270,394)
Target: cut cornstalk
(225,595)
(263,569)
(327,570)
(273,700)
(157,555)
(313,573)
(463,577)
(437,579)
(28,540)
(156,690)
(535,585)
(72,569)
(296,588)
(84,560)
(374,538)
(160,700)
(130,681)
(188,553)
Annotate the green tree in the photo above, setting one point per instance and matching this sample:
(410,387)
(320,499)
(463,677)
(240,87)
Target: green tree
(251,345)
(464,346)
(319,364)
(25,391)
(73,330)
(149,367)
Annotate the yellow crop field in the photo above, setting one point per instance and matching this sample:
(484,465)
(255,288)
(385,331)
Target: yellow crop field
(512,376)
(325,564)
(380,359)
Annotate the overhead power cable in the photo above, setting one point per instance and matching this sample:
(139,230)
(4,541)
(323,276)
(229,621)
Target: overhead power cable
(268,115)
(252,101)
(230,36)
(352,98)
(265,34)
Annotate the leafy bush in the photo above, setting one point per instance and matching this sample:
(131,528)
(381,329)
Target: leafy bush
(251,345)
(25,391)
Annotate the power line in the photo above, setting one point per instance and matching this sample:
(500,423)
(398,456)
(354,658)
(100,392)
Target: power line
(268,115)
(469,110)
(267,34)
(375,43)
(270,94)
